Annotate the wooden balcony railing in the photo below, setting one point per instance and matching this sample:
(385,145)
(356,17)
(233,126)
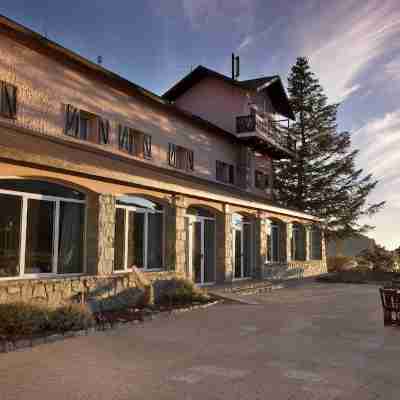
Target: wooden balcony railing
(270,129)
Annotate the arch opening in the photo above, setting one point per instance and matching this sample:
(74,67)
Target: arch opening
(42,228)
(139,234)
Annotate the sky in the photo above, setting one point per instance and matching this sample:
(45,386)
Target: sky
(353,47)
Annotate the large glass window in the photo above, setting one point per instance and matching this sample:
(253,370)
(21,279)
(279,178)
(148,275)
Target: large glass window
(299,242)
(39,237)
(71,237)
(139,234)
(316,244)
(41,228)
(274,242)
(10,234)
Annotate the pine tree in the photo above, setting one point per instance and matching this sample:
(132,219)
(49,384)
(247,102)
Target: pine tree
(323,180)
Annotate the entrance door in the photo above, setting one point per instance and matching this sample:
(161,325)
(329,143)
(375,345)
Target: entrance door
(242,250)
(201,249)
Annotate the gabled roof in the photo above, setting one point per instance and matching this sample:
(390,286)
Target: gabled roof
(272,84)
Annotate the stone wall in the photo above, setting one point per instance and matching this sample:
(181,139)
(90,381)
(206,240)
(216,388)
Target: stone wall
(294,270)
(109,290)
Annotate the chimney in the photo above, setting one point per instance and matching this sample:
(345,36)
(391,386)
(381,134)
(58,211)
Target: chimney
(235,66)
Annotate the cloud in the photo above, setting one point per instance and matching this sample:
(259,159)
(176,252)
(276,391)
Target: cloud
(245,42)
(392,68)
(346,39)
(379,145)
(239,13)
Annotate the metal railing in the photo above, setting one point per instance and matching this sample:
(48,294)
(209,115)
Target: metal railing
(271,129)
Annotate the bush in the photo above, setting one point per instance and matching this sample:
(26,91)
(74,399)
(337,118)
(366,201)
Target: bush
(377,256)
(72,317)
(181,292)
(336,264)
(23,320)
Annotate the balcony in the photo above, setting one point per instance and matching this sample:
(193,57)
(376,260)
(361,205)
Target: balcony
(266,135)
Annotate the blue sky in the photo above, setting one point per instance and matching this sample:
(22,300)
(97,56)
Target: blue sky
(353,47)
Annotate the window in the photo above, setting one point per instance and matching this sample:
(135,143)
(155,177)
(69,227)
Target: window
(315,244)
(134,142)
(104,130)
(180,157)
(41,229)
(299,242)
(273,245)
(82,125)
(8,100)
(139,234)
(260,180)
(225,172)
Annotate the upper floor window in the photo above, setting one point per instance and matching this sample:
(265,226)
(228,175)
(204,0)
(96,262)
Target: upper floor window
(261,180)
(8,100)
(180,157)
(86,126)
(134,142)
(225,172)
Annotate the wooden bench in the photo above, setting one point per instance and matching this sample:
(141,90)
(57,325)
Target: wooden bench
(391,306)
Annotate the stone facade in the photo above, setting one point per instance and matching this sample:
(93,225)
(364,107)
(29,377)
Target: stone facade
(59,291)
(106,232)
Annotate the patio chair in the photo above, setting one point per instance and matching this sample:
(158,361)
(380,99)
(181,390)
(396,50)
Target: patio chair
(391,306)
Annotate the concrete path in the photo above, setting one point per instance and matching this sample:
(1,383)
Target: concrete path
(313,341)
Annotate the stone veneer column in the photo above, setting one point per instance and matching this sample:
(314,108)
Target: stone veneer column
(307,230)
(261,244)
(283,242)
(180,234)
(106,234)
(224,245)
(289,233)
(323,250)
(100,233)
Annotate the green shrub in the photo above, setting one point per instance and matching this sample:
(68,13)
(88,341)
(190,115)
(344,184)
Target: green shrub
(336,264)
(72,317)
(22,320)
(181,292)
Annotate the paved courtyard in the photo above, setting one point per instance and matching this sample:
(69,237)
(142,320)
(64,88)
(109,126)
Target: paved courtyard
(312,341)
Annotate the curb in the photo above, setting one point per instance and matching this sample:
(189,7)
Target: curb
(24,344)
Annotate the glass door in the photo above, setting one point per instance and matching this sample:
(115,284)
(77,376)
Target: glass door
(238,252)
(209,251)
(201,249)
(242,250)
(197,251)
(246,232)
